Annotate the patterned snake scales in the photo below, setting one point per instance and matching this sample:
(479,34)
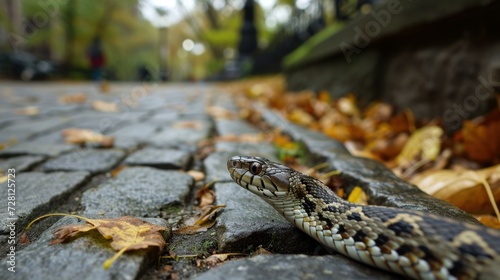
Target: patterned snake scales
(411,243)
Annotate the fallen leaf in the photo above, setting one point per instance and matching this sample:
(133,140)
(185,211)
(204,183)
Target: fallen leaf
(197,175)
(117,170)
(103,106)
(82,136)
(489,221)
(73,98)
(24,240)
(358,196)
(300,116)
(203,222)
(260,251)
(205,196)
(105,87)
(215,259)
(348,106)
(196,125)
(423,146)
(126,233)
(464,188)
(9,143)
(28,111)
(220,112)
(244,138)
(358,150)
(168,268)
(482,138)
(387,148)
(3,179)
(378,111)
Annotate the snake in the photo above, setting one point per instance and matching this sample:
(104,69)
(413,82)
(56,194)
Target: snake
(416,244)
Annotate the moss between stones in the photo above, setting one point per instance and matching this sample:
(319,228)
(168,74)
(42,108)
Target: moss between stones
(305,49)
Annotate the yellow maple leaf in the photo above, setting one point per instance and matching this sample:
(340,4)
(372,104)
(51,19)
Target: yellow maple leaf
(358,196)
(127,233)
(423,146)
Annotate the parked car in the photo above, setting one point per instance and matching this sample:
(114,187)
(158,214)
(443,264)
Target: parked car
(25,66)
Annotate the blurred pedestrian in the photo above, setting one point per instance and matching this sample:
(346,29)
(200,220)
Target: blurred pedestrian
(97,59)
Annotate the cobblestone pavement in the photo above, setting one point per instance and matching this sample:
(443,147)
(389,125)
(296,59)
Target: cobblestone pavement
(157,131)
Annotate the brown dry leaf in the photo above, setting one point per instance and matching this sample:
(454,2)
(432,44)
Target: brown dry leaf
(167,269)
(103,106)
(205,195)
(117,170)
(423,146)
(378,112)
(220,112)
(387,148)
(196,125)
(9,143)
(73,98)
(28,111)
(197,175)
(260,251)
(358,196)
(348,106)
(105,87)
(24,239)
(245,138)
(126,233)
(482,138)
(301,117)
(284,142)
(489,221)
(324,96)
(3,179)
(401,123)
(358,150)
(205,221)
(215,259)
(464,188)
(81,136)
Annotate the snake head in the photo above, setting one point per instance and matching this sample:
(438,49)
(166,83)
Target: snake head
(261,176)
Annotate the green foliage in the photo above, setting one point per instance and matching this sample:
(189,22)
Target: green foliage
(129,41)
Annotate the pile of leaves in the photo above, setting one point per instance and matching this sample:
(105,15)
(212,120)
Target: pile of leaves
(463,168)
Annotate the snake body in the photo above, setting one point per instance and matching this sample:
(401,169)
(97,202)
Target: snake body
(411,243)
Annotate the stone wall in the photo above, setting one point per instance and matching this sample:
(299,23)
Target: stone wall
(439,58)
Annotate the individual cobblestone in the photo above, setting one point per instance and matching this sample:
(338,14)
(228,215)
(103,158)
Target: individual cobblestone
(82,258)
(163,118)
(249,222)
(23,130)
(160,158)
(132,136)
(234,127)
(92,160)
(138,191)
(182,134)
(43,149)
(38,193)
(21,163)
(286,267)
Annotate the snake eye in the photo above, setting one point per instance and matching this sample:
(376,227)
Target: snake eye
(255,168)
